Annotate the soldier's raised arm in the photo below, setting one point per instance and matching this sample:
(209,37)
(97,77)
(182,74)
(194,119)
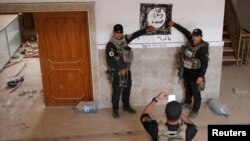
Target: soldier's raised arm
(131,37)
(183,30)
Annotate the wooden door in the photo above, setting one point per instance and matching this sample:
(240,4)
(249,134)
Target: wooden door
(63,40)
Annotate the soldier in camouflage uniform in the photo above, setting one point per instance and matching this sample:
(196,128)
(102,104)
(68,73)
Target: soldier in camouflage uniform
(119,57)
(195,63)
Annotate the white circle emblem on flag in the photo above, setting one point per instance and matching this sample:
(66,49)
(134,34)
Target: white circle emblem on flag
(156,17)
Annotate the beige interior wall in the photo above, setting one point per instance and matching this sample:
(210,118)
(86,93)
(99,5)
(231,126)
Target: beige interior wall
(155,70)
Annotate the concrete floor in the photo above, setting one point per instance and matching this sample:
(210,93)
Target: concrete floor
(26,118)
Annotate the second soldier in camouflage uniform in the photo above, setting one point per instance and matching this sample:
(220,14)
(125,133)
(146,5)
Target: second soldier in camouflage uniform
(195,63)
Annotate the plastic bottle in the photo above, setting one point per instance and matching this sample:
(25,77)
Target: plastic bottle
(218,108)
(86,107)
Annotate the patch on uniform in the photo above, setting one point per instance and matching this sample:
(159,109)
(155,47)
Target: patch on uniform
(111,53)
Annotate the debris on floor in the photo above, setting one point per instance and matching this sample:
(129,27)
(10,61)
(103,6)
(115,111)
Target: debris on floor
(86,107)
(217,107)
(19,114)
(17,55)
(26,44)
(13,82)
(237,91)
(27,91)
(29,49)
(13,62)
(31,53)
(16,81)
(20,71)
(16,87)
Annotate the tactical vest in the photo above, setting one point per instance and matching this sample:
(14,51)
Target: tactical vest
(124,56)
(124,53)
(190,60)
(163,132)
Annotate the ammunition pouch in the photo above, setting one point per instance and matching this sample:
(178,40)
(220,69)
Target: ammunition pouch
(128,55)
(192,64)
(110,74)
(196,64)
(123,80)
(201,87)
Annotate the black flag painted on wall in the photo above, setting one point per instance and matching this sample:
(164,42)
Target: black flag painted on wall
(156,15)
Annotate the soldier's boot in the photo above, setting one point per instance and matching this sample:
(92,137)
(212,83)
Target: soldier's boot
(129,109)
(192,114)
(186,105)
(116,113)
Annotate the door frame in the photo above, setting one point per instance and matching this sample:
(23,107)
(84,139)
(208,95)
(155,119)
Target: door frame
(66,7)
